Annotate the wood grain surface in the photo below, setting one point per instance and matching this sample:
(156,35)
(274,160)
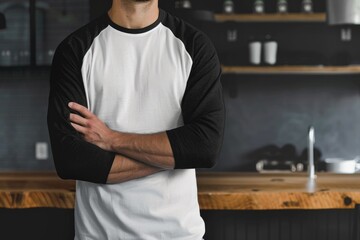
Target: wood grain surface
(355,69)
(249,191)
(216,191)
(35,189)
(268,17)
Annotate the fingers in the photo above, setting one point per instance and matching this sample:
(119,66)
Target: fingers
(80,109)
(78,119)
(79,128)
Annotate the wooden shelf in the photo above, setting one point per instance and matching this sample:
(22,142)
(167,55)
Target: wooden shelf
(355,69)
(276,17)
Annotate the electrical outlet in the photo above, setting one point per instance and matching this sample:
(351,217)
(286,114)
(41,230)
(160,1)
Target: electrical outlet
(41,151)
(346,34)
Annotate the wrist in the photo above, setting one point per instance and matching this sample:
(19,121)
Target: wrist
(110,141)
(114,141)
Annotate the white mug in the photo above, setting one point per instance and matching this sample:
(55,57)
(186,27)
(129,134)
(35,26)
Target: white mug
(255,52)
(270,52)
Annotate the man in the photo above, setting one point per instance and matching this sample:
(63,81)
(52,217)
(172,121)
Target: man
(135,106)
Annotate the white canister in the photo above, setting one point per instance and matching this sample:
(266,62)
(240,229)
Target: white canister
(270,52)
(255,52)
(339,165)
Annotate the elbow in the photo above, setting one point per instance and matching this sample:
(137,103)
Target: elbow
(64,172)
(209,159)
(202,151)
(69,168)
(196,160)
(212,145)
(205,158)
(211,150)
(210,163)
(64,166)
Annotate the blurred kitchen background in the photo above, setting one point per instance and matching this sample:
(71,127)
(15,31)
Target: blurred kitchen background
(286,66)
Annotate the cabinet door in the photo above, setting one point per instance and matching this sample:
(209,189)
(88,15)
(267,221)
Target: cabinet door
(56,19)
(15,39)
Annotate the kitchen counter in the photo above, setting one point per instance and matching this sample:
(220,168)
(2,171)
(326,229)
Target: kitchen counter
(254,191)
(217,191)
(35,189)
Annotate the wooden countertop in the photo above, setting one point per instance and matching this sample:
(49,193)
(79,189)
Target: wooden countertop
(251,191)
(230,190)
(35,189)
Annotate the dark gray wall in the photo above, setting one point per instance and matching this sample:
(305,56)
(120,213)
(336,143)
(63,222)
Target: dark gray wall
(264,110)
(23,104)
(98,7)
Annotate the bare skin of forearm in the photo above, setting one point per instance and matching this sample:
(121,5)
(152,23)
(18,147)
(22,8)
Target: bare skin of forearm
(125,169)
(153,149)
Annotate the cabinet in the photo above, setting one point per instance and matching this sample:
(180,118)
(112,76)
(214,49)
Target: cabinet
(36,27)
(15,39)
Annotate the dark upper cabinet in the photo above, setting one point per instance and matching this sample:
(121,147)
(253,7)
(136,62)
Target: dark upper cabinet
(15,39)
(36,27)
(24,39)
(56,19)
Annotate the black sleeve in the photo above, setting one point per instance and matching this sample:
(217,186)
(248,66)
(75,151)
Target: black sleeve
(197,144)
(74,158)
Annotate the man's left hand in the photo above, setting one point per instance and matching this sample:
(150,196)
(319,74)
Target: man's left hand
(90,126)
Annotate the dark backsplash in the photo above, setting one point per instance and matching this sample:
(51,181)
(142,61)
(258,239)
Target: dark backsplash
(264,110)
(261,110)
(23,104)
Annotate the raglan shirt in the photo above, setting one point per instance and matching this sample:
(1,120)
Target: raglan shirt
(161,78)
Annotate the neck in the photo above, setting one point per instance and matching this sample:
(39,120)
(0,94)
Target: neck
(134,14)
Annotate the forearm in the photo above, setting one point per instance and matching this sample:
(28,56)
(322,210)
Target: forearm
(152,149)
(125,169)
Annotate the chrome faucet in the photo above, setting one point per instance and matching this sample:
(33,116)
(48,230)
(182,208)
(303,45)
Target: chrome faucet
(311,142)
